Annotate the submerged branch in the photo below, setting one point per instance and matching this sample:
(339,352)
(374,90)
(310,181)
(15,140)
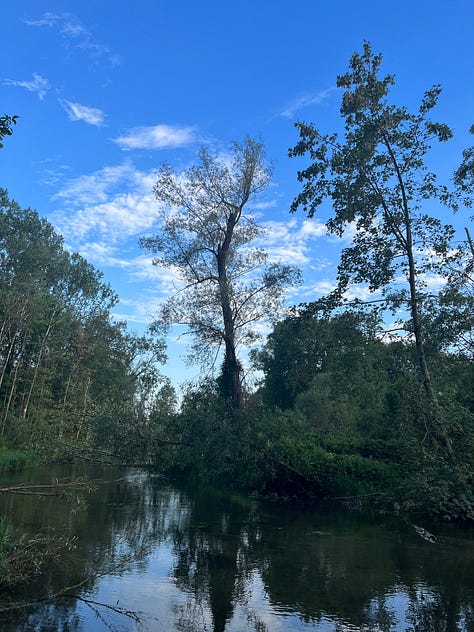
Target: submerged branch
(57,488)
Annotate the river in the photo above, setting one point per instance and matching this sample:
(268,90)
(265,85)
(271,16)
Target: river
(152,555)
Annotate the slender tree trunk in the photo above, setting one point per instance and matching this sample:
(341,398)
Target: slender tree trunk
(2,330)
(38,363)
(439,431)
(13,341)
(63,408)
(469,241)
(84,408)
(7,359)
(12,389)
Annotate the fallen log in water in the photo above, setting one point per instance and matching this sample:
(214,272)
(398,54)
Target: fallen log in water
(58,488)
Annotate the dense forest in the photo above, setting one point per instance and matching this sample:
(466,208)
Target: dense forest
(370,400)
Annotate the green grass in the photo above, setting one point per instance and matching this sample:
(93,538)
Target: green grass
(16,459)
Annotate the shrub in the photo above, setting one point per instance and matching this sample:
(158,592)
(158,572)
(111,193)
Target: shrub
(16,459)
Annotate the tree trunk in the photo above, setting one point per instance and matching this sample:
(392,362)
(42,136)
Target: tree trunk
(469,240)
(38,362)
(438,429)
(84,408)
(230,382)
(12,389)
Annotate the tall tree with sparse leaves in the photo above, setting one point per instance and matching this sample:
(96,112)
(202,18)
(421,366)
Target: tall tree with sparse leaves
(206,232)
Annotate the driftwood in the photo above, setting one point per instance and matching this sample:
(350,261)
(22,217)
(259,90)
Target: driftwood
(426,535)
(58,488)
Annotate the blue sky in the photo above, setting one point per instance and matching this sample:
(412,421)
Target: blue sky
(107,90)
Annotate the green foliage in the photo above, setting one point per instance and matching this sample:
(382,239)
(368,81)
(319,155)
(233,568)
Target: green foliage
(304,467)
(16,459)
(364,416)
(464,175)
(384,450)
(6,125)
(338,373)
(429,489)
(376,176)
(310,344)
(274,452)
(65,365)
(202,439)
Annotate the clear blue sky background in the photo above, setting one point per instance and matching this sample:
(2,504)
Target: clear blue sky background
(108,90)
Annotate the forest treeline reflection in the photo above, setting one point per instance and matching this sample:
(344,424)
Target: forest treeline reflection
(190,560)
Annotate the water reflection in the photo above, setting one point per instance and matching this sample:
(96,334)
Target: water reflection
(190,561)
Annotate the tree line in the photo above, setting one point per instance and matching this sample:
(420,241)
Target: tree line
(69,374)
(348,405)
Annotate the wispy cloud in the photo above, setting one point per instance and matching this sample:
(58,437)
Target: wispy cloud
(138,312)
(156,137)
(306,100)
(47,19)
(291,241)
(38,84)
(104,185)
(78,112)
(105,208)
(75,34)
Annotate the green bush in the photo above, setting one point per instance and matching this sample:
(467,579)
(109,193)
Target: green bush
(352,474)
(16,459)
(380,449)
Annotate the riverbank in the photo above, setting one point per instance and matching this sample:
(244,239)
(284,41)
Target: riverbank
(13,459)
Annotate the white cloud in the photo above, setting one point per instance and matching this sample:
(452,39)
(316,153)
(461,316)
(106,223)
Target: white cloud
(360,292)
(78,112)
(75,34)
(264,205)
(103,254)
(38,84)
(126,215)
(47,19)
(290,242)
(101,210)
(103,185)
(305,100)
(136,311)
(312,229)
(316,289)
(166,280)
(156,137)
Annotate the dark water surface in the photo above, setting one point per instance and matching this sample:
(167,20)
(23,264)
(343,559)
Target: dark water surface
(187,560)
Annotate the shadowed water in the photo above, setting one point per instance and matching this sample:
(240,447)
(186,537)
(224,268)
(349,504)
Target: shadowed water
(178,559)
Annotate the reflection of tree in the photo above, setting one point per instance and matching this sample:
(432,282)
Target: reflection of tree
(438,611)
(207,551)
(107,541)
(234,557)
(347,568)
(321,569)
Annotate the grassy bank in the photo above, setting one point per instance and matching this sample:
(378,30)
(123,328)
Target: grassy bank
(13,459)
